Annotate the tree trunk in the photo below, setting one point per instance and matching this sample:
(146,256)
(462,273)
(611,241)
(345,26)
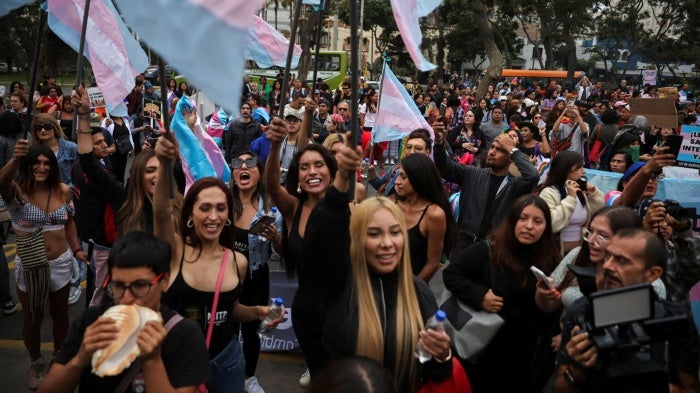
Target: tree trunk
(305,42)
(495,67)
(440,60)
(571,54)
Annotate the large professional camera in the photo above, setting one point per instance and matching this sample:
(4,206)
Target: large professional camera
(629,328)
(673,208)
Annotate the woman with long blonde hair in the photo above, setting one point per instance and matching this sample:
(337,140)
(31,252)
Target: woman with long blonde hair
(381,313)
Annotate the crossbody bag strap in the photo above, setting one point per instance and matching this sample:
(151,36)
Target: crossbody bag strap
(571,134)
(210,328)
(135,368)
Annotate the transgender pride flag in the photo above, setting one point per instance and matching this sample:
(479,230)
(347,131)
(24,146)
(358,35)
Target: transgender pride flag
(397,115)
(268,47)
(200,155)
(203,39)
(115,56)
(406,14)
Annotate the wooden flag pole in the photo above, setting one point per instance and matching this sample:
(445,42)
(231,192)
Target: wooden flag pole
(354,59)
(165,118)
(290,53)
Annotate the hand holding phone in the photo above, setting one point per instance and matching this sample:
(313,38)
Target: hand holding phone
(674,143)
(541,276)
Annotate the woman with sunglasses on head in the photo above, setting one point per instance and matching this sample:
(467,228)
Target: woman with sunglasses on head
(47,240)
(204,271)
(47,131)
(255,242)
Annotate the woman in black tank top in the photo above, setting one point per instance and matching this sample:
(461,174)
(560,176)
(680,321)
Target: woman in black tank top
(200,253)
(423,201)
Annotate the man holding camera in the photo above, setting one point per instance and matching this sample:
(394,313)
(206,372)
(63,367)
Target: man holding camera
(634,256)
(570,125)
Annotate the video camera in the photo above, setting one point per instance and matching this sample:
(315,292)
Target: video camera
(628,326)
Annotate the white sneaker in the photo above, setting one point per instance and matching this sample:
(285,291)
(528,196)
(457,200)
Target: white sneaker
(252,386)
(37,372)
(74,295)
(305,379)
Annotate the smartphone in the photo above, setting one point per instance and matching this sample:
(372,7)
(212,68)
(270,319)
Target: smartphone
(152,142)
(260,224)
(541,276)
(674,143)
(541,124)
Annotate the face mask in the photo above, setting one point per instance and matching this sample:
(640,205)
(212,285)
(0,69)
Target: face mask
(633,151)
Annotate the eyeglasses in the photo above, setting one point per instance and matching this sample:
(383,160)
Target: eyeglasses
(342,109)
(588,236)
(39,127)
(138,288)
(249,162)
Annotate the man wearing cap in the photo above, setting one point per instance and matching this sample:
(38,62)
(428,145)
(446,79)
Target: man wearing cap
(150,92)
(241,133)
(639,121)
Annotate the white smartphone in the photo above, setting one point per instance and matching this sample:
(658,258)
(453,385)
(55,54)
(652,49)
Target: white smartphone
(541,276)
(541,124)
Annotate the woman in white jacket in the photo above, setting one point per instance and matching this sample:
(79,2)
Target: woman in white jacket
(571,206)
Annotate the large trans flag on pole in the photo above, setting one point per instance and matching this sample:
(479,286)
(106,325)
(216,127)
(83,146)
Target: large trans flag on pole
(397,114)
(201,157)
(268,47)
(203,39)
(115,56)
(8,5)
(406,14)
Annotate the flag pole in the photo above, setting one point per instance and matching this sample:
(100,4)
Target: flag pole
(318,47)
(354,44)
(379,107)
(35,66)
(79,76)
(288,64)
(165,118)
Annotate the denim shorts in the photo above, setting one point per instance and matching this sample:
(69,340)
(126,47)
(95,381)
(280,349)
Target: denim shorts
(228,369)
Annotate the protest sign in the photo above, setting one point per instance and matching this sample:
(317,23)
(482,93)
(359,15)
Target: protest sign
(151,108)
(689,155)
(661,112)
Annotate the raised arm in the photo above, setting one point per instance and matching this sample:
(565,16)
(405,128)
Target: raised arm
(304,134)
(7,173)
(449,169)
(286,203)
(163,226)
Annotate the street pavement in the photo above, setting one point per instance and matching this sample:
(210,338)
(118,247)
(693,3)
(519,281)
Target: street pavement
(277,372)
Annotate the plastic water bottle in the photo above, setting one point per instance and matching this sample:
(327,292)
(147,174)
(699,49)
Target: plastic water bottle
(265,331)
(435,322)
(364,167)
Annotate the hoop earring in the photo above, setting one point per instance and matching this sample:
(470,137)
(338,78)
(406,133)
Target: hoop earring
(189,224)
(299,188)
(228,222)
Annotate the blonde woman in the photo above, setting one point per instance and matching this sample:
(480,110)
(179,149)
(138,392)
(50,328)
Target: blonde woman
(382,311)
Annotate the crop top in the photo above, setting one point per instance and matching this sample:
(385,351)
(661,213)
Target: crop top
(27,217)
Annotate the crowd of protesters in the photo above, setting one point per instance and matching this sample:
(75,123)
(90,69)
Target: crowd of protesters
(496,187)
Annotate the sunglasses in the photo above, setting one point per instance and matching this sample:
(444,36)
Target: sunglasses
(39,127)
(342,109)
(249,162)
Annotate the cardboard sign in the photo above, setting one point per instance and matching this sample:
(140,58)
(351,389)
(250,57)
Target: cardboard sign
(151,108)
(689,155)
(97,106)
(661,112)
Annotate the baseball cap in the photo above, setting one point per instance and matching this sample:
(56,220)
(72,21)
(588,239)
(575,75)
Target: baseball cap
(290,112)
(622,104)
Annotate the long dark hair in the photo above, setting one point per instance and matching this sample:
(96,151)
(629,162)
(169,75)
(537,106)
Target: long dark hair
(189,234)
(425,180)
(559,170)
(259,192)
(619,217)
(505,250)
(25,177)
(292,181)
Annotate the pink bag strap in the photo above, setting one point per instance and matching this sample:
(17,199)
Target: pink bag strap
(219,280)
